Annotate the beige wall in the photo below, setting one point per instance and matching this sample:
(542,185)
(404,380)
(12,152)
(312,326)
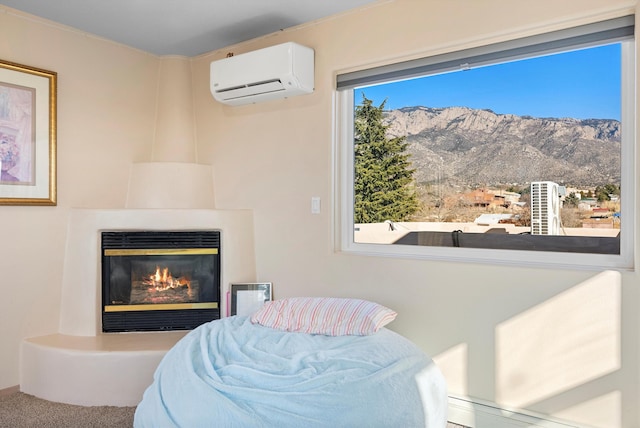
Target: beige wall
(552,341)
(559,342)
(106,109)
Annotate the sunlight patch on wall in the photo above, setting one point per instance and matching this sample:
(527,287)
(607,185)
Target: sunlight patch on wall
(453,364)
(601,412)
(561,343)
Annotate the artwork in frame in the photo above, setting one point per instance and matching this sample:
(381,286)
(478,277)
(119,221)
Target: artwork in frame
(247,298)
(27,135)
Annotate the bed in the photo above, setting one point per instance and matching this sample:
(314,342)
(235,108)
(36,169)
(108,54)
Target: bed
(305,362)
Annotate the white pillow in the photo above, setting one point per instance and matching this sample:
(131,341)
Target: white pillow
(324,315)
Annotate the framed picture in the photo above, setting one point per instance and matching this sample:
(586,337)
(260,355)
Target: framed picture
(27,135)
(247,298)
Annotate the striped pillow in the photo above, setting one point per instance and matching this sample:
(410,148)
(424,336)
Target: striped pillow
(324,315)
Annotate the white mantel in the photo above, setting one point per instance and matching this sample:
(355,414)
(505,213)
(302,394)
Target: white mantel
(80,313)
(80,364)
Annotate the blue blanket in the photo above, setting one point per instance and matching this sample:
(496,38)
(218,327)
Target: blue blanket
(232,373)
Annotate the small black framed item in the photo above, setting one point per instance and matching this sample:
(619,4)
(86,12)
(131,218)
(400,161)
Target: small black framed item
(249,297)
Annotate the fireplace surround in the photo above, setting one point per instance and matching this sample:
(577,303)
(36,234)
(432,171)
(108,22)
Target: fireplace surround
(79,364)
(159,280)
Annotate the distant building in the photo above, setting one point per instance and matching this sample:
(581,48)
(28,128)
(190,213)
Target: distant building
(485,198)
(587,204)
(600,213)
(479,198)
(598,223)
(489,219)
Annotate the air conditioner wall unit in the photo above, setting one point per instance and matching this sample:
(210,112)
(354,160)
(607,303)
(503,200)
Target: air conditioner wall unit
(275,72)
(545,208)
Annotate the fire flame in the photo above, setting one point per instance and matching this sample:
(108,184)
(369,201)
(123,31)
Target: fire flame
(162,280)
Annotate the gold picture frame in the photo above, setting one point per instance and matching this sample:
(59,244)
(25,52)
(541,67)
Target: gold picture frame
(27,135)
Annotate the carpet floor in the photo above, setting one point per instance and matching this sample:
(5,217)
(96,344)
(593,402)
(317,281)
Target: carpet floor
(19,410)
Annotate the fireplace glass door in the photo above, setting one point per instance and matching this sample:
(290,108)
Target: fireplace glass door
(160,280)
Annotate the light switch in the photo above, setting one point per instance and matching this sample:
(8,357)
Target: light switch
(315,205)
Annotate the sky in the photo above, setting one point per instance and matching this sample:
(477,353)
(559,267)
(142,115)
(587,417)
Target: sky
(583,84)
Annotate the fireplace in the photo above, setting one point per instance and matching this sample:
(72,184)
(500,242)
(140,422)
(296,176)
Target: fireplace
(159,280)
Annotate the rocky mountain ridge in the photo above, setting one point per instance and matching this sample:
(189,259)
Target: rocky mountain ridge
(481,148)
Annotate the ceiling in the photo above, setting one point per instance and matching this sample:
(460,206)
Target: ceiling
(182,27)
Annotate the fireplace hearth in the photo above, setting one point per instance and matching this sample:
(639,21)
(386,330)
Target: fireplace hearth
(159,280)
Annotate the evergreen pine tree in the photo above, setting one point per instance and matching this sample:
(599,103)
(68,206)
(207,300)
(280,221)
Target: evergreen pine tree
(383,183)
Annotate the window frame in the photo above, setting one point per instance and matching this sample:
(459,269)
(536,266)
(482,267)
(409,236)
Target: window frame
(343,189)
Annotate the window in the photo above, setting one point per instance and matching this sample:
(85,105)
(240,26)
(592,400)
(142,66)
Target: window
(517,152)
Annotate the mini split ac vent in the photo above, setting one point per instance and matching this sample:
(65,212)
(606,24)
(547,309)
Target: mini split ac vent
(277,85)
(279,71)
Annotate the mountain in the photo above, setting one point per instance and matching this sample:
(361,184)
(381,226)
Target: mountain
(479,147)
